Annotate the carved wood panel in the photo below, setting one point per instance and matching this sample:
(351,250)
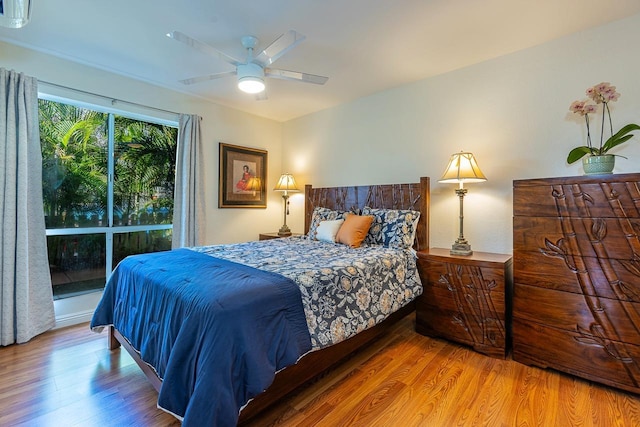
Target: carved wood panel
(577,276)
(413,196)
(465,299)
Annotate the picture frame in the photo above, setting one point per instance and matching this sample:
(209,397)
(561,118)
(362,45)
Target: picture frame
(242,177)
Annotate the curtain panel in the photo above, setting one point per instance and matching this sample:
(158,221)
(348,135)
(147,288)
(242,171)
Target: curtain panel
(189,193)
(26,296)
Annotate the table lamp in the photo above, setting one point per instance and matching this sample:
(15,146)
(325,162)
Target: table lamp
(462,168)
(286,184)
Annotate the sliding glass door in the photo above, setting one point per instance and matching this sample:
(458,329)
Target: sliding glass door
(108,183)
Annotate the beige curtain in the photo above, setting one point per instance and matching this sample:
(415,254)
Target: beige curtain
(189,193)
(26,297)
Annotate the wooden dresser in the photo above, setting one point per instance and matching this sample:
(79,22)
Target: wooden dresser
(576,303)
(466,299)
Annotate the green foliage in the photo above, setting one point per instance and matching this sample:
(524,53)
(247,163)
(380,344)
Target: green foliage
(623,135)
(74,144)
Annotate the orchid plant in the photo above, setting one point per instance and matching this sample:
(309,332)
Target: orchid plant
(602,93)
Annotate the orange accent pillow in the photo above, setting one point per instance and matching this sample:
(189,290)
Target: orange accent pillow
(354,229)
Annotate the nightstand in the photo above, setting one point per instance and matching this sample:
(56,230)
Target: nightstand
(466,299)
(268,236)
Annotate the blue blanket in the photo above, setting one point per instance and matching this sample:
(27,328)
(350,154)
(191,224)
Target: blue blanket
(215,331)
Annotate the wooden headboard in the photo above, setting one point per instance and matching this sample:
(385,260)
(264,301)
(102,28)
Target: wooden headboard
(413,196)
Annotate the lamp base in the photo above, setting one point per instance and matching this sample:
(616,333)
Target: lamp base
(284,231)
(461,249)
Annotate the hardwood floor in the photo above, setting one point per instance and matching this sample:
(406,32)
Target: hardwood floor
(68,377)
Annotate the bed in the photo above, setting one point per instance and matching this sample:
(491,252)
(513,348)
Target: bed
(143,307)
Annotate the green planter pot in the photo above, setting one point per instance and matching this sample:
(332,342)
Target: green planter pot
(598,165)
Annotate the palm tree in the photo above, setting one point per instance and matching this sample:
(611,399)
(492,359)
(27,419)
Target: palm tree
(145,169)
(74,152)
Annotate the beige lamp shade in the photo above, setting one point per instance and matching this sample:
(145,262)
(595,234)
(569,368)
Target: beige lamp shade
(286,183)
(462,168)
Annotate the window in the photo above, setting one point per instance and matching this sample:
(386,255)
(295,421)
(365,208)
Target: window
(108,183)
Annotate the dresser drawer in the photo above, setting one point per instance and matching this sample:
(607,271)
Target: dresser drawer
(545,346)
(600,196)
(609,278)
(578,314)
(590,237)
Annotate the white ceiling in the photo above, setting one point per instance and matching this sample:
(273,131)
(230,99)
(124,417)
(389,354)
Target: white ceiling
(363,46)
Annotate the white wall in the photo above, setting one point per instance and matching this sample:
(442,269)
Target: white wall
(511,112)
(219,124)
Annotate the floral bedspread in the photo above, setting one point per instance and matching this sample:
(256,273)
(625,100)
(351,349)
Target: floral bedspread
(344,290)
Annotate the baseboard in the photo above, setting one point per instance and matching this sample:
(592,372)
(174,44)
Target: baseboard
(73,319)
(74,310)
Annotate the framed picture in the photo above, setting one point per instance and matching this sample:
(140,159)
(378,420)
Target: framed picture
(242,180)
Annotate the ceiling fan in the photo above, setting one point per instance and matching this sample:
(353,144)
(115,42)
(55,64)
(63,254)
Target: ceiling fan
(252,71)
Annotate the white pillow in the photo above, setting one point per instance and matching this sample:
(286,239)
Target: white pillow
(327,230)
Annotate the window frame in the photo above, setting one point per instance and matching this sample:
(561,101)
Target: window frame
(109,230)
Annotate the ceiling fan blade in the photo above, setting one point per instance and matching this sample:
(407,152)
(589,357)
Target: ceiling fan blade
(295,75)
(199,79)
(279,47)
(203,47)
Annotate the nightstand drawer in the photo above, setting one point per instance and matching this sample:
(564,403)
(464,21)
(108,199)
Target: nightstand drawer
(486,335)
(490,300)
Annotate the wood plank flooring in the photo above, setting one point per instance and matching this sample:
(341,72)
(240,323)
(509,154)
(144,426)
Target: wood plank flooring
(68,377)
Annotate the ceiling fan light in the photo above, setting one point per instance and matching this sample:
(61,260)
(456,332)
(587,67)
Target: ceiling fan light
(251,84)
(250,78)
